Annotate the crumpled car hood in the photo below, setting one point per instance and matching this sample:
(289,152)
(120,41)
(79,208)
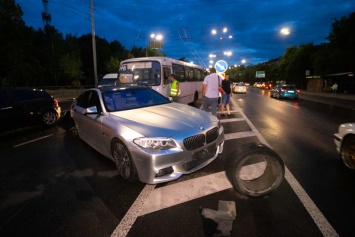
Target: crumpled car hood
(164,120)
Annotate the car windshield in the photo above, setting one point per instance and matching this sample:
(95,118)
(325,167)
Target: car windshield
(108,82)
(132,98)
(140,73)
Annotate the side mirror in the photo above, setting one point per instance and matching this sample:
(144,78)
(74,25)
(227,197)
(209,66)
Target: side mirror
(91,110)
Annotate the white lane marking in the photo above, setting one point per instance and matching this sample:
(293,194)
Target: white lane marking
(185,191)
(296,107)
(324,226)
(236,135)
(317,216)
(232,120)
(133,212)
(40,138)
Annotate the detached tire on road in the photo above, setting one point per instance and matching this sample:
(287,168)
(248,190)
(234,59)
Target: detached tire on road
(254,169)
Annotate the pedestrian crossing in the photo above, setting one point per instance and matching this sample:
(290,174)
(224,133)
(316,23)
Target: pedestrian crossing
(155,198)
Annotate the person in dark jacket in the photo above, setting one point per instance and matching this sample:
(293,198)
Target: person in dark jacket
(226,96)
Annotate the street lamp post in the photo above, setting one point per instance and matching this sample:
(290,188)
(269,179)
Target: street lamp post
(221,37)
(154,42)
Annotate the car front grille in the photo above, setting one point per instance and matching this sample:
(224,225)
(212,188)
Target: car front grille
(197,141)
(211,135)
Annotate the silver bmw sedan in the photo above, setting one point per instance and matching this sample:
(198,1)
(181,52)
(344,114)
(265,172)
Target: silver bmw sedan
(147,136)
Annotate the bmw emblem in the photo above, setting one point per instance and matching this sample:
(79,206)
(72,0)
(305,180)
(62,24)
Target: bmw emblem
(201,128)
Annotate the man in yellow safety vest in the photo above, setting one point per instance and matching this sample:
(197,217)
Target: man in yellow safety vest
(175,88)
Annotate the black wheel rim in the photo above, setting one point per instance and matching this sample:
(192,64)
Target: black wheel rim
(122,160)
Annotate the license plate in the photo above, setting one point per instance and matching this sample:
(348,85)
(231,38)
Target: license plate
(291,91)
(205,153)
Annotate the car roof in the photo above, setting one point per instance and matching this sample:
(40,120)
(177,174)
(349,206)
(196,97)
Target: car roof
(119,87)
(110,76)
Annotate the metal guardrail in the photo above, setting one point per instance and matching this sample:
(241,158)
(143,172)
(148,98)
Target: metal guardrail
(65,92)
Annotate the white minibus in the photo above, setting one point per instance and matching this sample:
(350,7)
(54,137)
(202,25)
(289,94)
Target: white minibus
(155,71)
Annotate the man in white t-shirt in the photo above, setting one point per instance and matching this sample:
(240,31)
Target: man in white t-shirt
(210,89)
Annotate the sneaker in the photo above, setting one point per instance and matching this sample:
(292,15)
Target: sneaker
(223,115)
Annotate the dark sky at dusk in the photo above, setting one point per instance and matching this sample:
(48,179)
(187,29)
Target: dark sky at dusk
(186,25)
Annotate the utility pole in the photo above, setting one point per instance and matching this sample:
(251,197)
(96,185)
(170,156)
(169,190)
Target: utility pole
(93,39)
(46,16)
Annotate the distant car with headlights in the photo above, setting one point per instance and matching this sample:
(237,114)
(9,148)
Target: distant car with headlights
(345,144)
(20,107)
(258,84)
(284,91)
(267,86)
(239,88)
(146,135)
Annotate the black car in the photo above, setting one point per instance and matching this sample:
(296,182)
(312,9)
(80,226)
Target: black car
(24,106)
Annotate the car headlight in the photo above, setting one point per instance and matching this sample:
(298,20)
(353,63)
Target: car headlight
(156,143)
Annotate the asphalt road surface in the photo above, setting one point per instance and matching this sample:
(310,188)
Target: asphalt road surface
(53,184)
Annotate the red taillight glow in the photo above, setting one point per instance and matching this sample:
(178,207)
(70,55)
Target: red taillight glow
(56,102)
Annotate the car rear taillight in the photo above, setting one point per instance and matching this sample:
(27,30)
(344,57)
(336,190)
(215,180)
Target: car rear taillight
(55,102)
(283,90)
(298,91)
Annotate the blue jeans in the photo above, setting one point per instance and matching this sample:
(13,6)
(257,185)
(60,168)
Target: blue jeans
(226,98)
(210,102)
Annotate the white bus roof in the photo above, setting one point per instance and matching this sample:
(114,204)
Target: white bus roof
(162,59)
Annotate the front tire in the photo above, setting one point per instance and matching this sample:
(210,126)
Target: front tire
(254,170)
(123,161)
(347,152)
(195,97)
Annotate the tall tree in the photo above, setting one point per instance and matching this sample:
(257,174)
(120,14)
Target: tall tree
(342,43)
(49,44)
(112,65)
(71,66)
(18,65)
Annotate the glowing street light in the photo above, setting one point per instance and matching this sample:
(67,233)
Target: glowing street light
(285,31)
(228,53)
(158,37)
(243,61)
